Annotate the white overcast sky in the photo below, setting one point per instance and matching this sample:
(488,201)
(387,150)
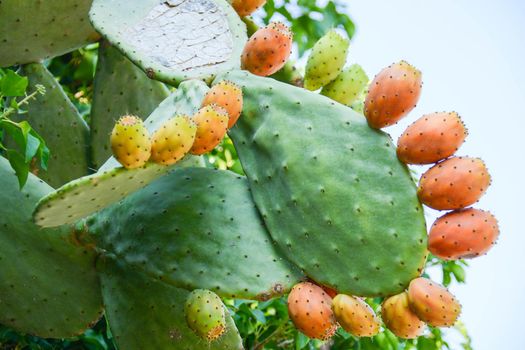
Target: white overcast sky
(472,54)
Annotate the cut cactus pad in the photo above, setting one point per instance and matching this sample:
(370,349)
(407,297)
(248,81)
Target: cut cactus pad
(48,287)
(173,40)
(196,228)
(33,30)
(330,189)
(80,198)
(146,313)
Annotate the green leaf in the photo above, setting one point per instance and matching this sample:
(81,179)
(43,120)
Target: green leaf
(459,273)
(19,165)
(13,84)
(32,146)
(301,341)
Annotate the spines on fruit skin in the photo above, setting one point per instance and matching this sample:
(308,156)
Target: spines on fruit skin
(130,142)
(212,124)
(227,95)
(393,93)
(355,316)
(310,309)
(173,140)
(433,303)
(247,7)
(399,318)
(347,86)
(267,50)
(463,234)
(431,138)
(454,183)
(326,61)
(204,313)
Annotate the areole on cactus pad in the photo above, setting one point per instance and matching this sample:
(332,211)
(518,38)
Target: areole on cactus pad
(357,227)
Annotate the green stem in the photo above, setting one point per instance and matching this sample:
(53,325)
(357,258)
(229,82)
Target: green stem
(25,101)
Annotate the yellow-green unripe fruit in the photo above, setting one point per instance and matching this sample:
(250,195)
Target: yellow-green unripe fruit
(348,86)
(130,142)
(204,313)
(326,61)
(173,140)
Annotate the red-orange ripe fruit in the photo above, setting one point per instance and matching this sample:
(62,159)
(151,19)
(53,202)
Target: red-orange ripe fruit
(463,234)
(399,319)
(310,309)
(433,303)
(247,7)
(454,183)
(228,96)
(212,123)
(431,138)
(267,50)
(393,93)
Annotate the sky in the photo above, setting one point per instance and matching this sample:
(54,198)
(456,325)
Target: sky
(471,54)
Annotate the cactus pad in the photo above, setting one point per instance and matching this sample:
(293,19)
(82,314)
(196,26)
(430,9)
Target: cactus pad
(48,287)
(33,30)
(196,228)
(111,183)
(57,120)
(148,314)
(330,189)
(173,40)
(121,88)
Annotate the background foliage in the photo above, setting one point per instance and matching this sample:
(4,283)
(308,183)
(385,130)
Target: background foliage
(263,325)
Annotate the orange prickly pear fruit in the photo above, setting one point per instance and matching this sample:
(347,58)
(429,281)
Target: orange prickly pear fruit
(399,319)
(431,138)
(393,93)
(454,183)
(212,123)
(130,142)
(355,316)
(246,7)
(433,303)
(463,234)
(173,140)
(310,309)
(228,96)
(267,50)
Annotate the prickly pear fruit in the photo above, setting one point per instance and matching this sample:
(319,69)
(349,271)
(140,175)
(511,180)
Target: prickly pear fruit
(431,138)
(246,7)
(310,309)
(454,183)
(326,61)
(130,142)
(355,316)
(267,50)
(348,86)
(212,123)
(204,313)
(433,303)
(331,292)
(398,317)
(392,94)
(173,140)
(463,234)
(228,96)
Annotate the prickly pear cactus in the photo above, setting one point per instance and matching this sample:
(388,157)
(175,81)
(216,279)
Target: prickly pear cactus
(86,195)
(156,230)
(357,227)
(48,287)
(33,30)
(120,88)
(173,40)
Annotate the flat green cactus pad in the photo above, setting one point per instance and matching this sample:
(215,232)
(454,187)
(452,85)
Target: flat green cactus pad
(80,198)
(173,40)
(33,30)
(196,228)
(120,88)
(145,313)
(48,287)
(330,189)
(57,120)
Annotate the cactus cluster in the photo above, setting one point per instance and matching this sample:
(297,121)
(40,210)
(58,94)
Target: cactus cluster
(156,239)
